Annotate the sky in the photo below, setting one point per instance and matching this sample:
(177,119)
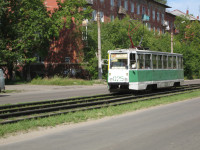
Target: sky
(192,5)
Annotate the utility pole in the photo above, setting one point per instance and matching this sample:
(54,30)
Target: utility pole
(99,46)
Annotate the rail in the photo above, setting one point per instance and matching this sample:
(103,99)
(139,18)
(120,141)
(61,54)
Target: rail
(27,111)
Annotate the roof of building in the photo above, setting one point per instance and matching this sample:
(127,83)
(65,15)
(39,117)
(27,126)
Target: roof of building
(169,13)
(180,13)
(166,6)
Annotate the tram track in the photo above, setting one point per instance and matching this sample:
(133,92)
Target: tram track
(19,112)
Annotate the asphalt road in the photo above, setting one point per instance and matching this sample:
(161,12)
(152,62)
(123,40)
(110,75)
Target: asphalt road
(169,127)
(32,93)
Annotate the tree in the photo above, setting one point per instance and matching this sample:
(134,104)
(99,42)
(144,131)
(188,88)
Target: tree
(114,35)
(187,43)
(162,1)
(27,28)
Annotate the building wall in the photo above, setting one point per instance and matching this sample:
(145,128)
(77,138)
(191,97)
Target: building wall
(170,18)
(146,7)
(67,48)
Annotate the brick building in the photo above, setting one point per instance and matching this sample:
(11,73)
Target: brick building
(111,9)
(65,54)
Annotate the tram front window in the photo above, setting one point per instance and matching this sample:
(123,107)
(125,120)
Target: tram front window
(118,61)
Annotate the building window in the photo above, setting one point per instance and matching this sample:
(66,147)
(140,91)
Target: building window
(126,5)
(158,16)
(163,31)
(138,9)
(112,3)
(149,26)
(101,16)
(162,20)
(94,15)
(158,30)
(119,3)
(143,10)
(112,17)
(154,15)
(171,25)
(102,1)
(149,14)
(132,7)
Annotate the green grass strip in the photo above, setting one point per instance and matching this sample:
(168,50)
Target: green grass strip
(63,81)
(82,116)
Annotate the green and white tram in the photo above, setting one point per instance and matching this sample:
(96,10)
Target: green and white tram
(135,69)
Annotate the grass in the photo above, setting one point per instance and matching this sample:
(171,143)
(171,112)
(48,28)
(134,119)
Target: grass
(63,81)
(56,81)
(12,91)
(82,116)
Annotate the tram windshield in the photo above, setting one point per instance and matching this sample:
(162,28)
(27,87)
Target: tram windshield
(118,61)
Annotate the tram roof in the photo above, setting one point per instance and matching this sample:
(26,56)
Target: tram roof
(136,50)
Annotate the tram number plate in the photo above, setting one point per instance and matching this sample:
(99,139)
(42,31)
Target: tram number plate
(118,78)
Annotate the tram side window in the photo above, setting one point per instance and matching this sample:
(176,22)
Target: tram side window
(174,62)
(181,62)
(132,61)
(140,61)
(147,61)
(159,61)
(164,62)
(170,62)
(178,62)
(154,59)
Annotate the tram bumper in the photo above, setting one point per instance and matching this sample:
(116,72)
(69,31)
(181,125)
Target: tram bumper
(118,87)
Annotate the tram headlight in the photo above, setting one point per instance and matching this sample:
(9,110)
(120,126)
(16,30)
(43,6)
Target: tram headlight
(126,79)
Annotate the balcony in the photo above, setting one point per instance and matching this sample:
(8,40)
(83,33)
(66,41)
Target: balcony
(122,11)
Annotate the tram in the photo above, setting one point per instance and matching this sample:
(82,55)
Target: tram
(135,69)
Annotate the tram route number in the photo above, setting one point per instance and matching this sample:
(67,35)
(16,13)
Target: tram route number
(118,78)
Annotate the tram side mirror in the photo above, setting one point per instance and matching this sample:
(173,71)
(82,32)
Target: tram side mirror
(104,61)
